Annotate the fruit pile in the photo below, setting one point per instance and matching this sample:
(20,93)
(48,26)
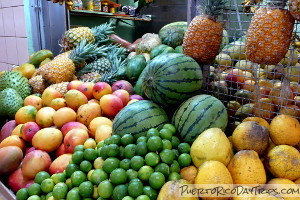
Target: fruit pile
(118,168)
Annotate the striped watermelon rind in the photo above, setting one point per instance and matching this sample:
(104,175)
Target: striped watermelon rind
(198,114)
(171,78)
(137,118)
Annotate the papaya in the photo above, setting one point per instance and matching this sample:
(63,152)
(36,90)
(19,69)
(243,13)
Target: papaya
(158,50)
(10,159)
(135,67)
(39,57)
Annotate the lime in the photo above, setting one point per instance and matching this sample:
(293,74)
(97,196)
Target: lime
(152,132)
(85,166)
(165,134)
(110,164)
(150,192)
(122,152)
(127,139)
(77,178)
(154,143)
(105,189)
(95,192)
(163,168)
(171,127)
(98,175)
(22,194)
(176,152)
(98,163)
(47,185)
(103,152)
(90,154)
(184,148)
(89,174)
(145,172)
(120,192)
(130,150)
(77,157)
(143,197)
(174,176)
(118,176)
(141,139)
(86,189)
(34,189)
(73,195)
(175,167)
(135,188)
(141,148)
(108,141)
(115,139)
(49,195)
(131,174)
(175,141)
(34,197)
(60,191)
(167,156)
(90,143)
(167,144)
(59,178)
(113,150)
(128,198)
(152,159)
(184,160)
(100,144)
(157,180)
(137,162)
(69,183)
(100,198)
(125,163)
(79,148)
(43,197)
(70,169)
(39,177)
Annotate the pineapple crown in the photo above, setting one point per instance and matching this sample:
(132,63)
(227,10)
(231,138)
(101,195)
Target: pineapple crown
(112,76)
(102,32)
(277,3)
(116,51)
(85,51)
(211,8)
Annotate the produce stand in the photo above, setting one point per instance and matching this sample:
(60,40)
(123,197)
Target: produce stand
(213,101)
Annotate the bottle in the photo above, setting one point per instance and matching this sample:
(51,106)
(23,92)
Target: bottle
(104,7)
(97,5)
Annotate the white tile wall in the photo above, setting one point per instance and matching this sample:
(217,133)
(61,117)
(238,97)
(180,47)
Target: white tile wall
(13,35)
(8,22)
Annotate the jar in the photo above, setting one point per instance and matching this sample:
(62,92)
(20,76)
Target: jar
(104,7)
(87,4)
(97,5)
(112,10)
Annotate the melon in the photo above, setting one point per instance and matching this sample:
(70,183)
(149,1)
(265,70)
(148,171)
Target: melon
(138,117)
(180,24)
(172,36)
(197,114)
(171,78)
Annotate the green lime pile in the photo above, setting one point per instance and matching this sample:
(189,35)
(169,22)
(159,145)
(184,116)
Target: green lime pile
(120,168)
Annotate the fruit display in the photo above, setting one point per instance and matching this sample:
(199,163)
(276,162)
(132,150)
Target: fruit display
(187,106)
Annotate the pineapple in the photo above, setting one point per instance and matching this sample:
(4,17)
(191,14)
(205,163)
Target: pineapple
(98,34)
(90,77)
(38,84)
(269,34)
(203,37)
(60,87)
(294,7)
(62,69)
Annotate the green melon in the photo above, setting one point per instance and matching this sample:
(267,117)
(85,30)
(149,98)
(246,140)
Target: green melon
(197,114)
(172,36)
(180,24)
(171,78)
(137,118)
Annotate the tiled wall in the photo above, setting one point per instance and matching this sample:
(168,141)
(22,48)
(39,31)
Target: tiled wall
(13,37)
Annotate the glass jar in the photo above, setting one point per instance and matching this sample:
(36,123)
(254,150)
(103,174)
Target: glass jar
(104,7)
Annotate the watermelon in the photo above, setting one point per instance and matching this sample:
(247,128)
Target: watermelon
(197,114)
(135,67)
(172,36)
(138,117)
(171,78)
(180,24)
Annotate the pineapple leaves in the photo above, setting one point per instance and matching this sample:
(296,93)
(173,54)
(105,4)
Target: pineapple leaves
(102,32)
(211,8)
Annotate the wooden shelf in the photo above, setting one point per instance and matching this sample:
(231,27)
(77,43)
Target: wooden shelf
(104,14)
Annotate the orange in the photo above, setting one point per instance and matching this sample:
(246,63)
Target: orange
(291,110)
(259,120)
(96,122)
(13,140)
(285,129)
